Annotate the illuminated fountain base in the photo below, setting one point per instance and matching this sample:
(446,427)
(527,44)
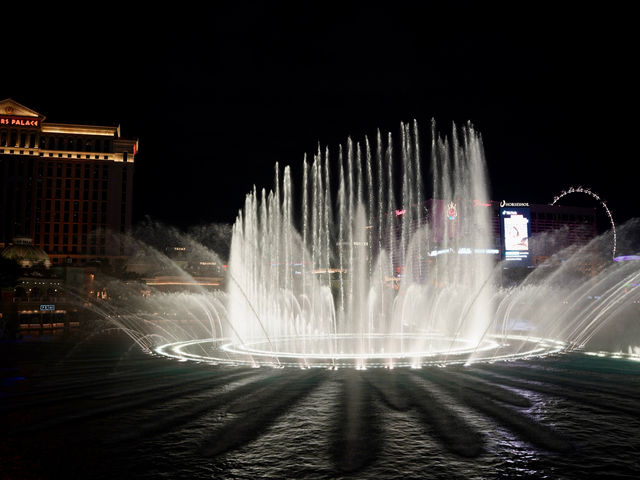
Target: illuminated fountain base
(361,351)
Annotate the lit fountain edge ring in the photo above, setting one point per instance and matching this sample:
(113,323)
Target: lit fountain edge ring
(250,348)
(225,352)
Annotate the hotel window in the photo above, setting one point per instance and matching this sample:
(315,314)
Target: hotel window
(23,139)
(14,139)
(32,140)
(3,139)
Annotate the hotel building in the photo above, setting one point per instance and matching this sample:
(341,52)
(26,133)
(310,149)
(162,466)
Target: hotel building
(67,187)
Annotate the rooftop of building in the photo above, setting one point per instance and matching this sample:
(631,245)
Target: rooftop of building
(26,253)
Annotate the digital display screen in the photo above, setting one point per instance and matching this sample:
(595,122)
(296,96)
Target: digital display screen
(516,230)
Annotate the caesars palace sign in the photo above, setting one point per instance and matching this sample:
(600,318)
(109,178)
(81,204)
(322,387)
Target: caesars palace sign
(13,121)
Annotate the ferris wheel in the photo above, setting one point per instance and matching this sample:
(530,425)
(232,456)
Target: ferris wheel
(592,194)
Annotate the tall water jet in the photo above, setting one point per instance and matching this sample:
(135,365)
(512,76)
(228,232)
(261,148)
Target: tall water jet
(367,268)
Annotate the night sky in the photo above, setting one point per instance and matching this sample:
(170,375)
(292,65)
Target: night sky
(218,93)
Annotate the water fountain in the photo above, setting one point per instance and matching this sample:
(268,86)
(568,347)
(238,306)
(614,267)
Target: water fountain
(362,268)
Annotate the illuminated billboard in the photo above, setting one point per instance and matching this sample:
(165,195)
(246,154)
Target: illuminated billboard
(516,230)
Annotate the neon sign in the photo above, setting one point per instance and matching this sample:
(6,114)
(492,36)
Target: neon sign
(452,211)
(19,121)
(504,203)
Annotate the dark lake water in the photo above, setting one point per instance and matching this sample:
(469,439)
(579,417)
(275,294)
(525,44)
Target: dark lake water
(97,407)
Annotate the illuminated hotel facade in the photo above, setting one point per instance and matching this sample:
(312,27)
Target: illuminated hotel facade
(67,187)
